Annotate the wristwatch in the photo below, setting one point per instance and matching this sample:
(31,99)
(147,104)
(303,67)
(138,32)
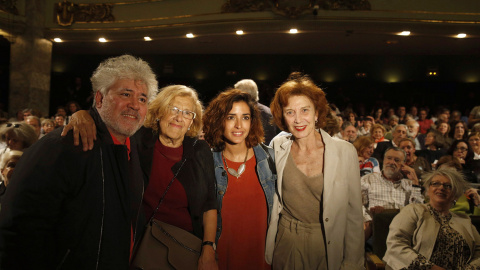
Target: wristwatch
(210,243)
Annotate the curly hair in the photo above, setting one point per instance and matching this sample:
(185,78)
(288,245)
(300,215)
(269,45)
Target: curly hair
(157,109)
(123,67)
(299,85)
(217,111)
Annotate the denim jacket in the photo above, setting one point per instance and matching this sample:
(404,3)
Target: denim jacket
(266,177)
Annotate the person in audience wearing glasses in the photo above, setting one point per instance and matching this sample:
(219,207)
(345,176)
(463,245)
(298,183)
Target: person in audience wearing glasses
(430,236)
(245,173)
(169,149)
(16,136)
(396,186)
(462,151)
(317,213)
(69,209)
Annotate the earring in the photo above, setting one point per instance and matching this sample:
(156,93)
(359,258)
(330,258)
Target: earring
(156,119)
(316,121)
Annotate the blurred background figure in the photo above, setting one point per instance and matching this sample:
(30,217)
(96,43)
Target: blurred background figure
(48,125)
(368,164)
(8,161)
(270,130)
(16,136)
(35,123)
(419,164)
(378,133)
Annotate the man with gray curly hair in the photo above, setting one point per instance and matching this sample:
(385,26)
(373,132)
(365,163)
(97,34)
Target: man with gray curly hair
(70,209)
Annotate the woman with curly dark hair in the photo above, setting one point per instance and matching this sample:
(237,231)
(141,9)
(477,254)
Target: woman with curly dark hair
(245,180)
(317,217)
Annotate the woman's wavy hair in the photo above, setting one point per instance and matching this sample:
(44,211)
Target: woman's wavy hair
(217,111)
(158,108)
(298,84)
(24,132)
(363,142)
(459,185)
(379,126)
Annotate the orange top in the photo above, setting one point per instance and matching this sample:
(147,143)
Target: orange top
(244,221)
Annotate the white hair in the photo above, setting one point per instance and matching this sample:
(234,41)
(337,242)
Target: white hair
(248,86)
(123,67)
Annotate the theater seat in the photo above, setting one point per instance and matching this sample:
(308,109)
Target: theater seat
(381,223)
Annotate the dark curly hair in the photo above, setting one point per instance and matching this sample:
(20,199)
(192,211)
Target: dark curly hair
(216,114)
(299,85)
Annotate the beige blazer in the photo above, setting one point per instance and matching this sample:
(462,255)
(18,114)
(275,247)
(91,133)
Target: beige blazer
(414,230)
(342,203)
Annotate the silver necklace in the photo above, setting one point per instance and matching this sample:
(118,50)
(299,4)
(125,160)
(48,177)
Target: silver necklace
(241,169)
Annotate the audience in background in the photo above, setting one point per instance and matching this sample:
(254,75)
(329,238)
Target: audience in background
(396,186)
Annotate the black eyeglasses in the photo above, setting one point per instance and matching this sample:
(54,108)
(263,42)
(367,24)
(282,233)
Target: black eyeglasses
(13,125)
(438,184)
(461,149)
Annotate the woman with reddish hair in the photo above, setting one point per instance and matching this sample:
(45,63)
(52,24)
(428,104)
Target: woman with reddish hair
(368,164)
(245,181)
(318,186)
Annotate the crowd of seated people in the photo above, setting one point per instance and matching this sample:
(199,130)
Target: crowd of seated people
(393,146)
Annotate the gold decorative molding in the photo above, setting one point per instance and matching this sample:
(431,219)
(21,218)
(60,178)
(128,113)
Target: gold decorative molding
(9,6)
(345,4)
(292,8)
(245,6)
(67,13)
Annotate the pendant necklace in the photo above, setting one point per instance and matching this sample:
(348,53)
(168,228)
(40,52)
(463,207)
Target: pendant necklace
(241,169)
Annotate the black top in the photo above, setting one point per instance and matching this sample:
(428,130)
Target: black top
(70,209)
(197,174)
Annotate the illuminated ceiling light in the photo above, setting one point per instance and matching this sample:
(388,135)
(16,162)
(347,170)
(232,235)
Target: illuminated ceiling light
(462,35)
(239,32)
(190,35)
(404,33)
(57,39)
(147,39)
(102,39)
(293,31)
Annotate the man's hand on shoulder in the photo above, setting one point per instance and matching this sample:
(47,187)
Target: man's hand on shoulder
(83,126)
